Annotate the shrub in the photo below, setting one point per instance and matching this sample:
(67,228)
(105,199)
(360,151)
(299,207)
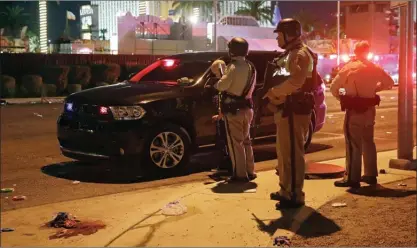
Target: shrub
(108,73)
(57,75)
(8,86)
(31,86)
(49,90)
(80,75)
(73,88)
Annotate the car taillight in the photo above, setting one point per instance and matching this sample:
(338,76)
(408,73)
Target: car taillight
(103,110)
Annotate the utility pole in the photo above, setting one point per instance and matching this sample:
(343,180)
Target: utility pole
(405,90)
(338,33)
(215,25)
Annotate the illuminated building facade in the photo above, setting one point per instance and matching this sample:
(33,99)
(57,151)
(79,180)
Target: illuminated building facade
(108,11)
(89,22)
(43,26)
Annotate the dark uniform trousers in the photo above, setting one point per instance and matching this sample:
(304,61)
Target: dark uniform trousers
(359,137)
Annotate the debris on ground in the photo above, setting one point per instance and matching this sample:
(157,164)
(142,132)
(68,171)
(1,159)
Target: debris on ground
(382,117)
(19,198)
(38,115)
(339,204)
(3,102)
(7,229)
(63,219)
(282,241)
(402,184)
(76,182)
(382,171)
(7,190)
(250,190)
(174,208)
(389,132)
(70,226)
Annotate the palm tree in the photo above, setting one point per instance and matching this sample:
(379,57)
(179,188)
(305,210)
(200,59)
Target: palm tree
(14,18)
(186,8)
(103,33)
(255,9)
(308,22)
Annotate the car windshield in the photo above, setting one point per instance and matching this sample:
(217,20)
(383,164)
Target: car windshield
(171,70)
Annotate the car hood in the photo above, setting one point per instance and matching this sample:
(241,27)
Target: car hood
(128,93)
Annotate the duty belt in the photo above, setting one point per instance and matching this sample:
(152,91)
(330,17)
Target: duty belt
(359,104)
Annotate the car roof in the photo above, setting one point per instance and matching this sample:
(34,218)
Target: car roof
(193,56)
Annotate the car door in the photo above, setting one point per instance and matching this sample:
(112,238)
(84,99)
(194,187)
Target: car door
(263,123)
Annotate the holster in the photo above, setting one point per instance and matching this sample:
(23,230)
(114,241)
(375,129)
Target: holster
(358,104)
(232,104)
(301,103)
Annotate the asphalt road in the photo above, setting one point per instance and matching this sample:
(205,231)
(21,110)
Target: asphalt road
(32,164)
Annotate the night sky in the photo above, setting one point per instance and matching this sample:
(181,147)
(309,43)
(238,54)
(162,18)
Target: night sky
(57,13)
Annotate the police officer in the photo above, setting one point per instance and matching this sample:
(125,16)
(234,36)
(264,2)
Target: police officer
(236,87)
(356,86)
(294,102)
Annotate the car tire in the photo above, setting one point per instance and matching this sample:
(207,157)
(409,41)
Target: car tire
(158,159)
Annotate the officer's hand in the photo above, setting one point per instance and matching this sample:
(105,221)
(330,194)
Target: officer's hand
(217,117)
(215,67)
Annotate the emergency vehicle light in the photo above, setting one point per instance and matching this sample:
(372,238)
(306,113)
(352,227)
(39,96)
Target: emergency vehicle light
(104,110)
(169,63)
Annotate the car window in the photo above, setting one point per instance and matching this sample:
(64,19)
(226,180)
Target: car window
(192,70)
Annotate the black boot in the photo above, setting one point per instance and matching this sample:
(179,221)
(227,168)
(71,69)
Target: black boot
(369,180)
(346,183)
(276,196)
(288,204)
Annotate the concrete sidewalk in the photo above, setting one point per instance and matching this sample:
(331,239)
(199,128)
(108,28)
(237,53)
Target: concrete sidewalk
(218,214)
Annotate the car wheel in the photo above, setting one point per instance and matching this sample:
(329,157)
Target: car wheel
(167,150)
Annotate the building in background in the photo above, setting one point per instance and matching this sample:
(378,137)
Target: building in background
(110,10)
(366,20)
(89,22)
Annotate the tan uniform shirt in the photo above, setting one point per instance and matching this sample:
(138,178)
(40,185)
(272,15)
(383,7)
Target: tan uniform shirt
(362,79)
(300,65)
(235,78)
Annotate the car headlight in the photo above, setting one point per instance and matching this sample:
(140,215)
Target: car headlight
(127,112)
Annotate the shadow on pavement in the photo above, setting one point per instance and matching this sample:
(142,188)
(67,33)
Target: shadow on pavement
(126,173)
(316,225)
(381,191)
(100,173)
(227,188)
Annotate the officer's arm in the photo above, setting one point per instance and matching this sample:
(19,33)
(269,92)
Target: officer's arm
(337,84)
(386,81)
(298,69)
(227,79)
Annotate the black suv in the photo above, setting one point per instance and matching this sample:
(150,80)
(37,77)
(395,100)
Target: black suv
(161,114)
